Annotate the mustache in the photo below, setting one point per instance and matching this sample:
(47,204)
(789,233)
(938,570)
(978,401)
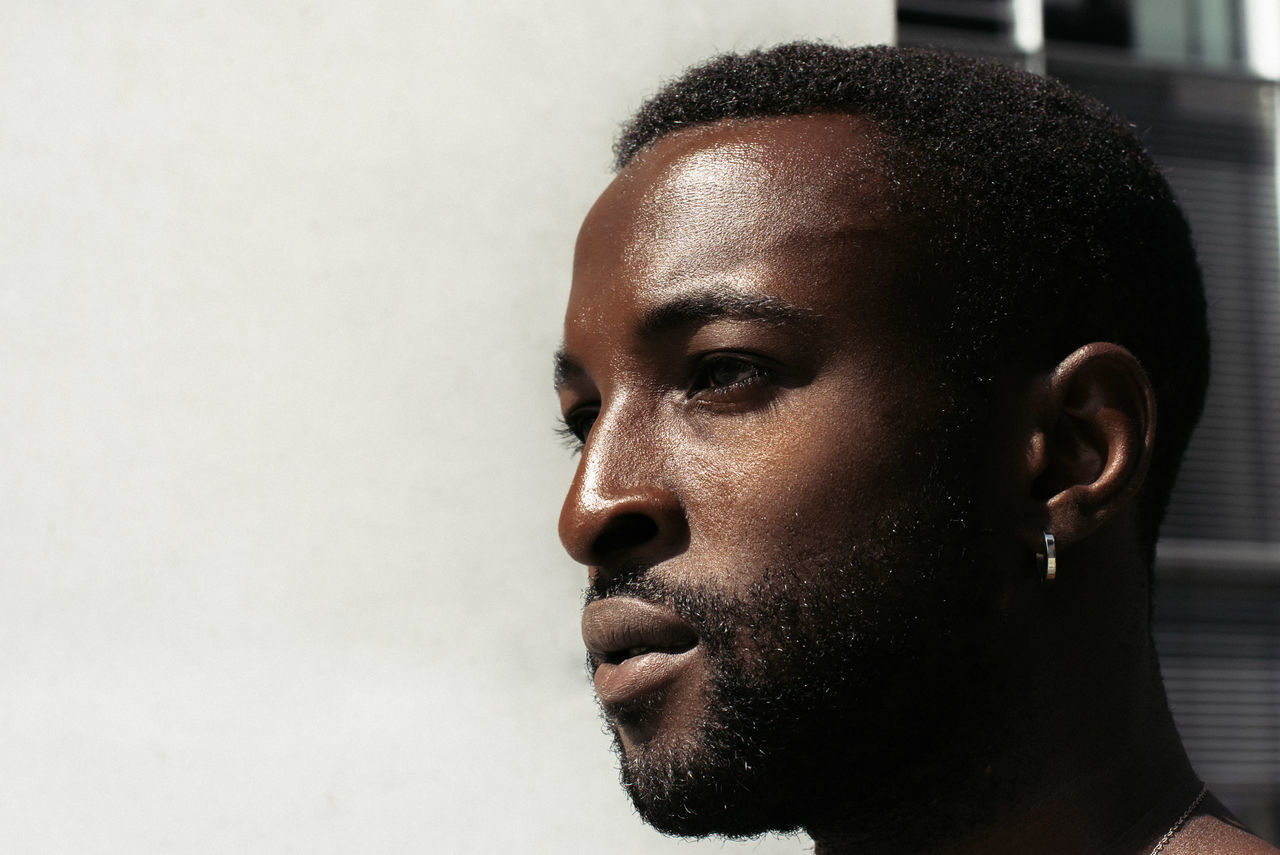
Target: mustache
(630,580)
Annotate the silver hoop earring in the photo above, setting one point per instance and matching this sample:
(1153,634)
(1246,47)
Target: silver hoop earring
(1047,561)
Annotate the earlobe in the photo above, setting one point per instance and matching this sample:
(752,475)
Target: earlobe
(1094,440)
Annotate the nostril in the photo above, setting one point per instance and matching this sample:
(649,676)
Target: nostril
(624,532)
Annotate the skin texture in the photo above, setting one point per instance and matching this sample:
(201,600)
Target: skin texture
(831,542)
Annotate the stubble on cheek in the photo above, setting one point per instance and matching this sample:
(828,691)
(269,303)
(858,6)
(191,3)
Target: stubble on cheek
(820,665)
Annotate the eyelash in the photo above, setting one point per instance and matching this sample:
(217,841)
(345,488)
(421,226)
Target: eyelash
(574,426)
(571,431)
(754,373)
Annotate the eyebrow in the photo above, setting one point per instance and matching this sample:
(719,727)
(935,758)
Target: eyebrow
(719,304)
(566,368)
(702,307)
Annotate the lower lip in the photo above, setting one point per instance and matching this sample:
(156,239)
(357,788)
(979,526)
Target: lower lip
(630,680)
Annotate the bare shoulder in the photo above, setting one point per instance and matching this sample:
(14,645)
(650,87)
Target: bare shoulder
(1214,831)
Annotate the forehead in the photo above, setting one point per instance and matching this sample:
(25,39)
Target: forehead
(797,204)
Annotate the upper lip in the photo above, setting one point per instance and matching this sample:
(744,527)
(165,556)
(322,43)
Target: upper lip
(618,628)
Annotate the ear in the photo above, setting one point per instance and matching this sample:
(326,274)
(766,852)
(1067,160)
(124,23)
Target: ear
(1092,441)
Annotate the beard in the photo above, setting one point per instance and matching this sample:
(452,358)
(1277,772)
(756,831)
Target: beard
(840,682)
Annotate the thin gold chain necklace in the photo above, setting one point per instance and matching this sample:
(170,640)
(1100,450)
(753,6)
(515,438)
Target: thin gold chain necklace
(1168,835)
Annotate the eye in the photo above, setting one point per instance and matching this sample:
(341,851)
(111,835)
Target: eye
(721,374)
(575,425)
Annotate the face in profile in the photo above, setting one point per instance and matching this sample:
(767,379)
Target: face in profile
(771,495)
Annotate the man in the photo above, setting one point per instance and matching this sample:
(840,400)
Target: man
(863,355)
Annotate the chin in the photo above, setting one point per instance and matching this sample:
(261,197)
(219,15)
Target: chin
(734,769)
(693,789)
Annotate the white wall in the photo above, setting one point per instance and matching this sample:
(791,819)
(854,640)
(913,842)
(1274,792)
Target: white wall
(279,284)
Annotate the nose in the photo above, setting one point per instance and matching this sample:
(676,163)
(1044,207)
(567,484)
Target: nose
(622,511)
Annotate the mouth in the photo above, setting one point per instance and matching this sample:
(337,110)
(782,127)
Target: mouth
(618,657)
(637,648)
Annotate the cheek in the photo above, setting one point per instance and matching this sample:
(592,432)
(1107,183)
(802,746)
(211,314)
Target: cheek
(802,476)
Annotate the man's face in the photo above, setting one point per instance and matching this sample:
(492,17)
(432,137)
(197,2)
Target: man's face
(771,492)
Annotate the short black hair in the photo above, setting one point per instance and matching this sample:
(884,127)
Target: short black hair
(1038,219)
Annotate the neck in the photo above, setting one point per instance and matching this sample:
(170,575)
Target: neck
(1111,800)
(1085,758)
